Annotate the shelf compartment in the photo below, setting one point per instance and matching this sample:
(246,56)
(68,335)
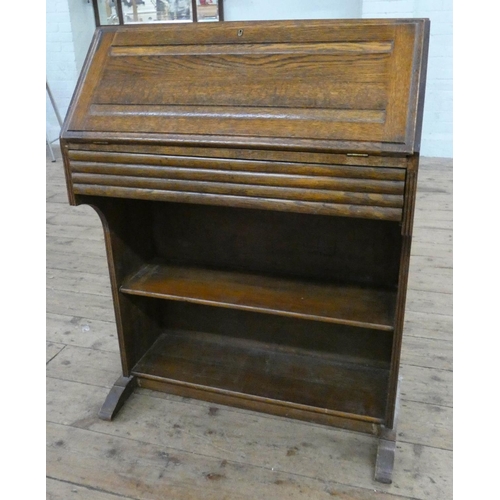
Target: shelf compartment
(341,304)
(256,371)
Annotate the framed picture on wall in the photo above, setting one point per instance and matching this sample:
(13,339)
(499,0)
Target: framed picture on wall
(208,10)
(156,11)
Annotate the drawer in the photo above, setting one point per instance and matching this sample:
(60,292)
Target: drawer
(331,189)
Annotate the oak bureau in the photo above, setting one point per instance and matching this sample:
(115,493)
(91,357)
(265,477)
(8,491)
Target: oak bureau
(256,184)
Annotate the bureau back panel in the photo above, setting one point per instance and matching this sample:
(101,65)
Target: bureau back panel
(282,244)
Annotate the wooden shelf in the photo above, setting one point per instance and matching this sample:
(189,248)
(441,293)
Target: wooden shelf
(341,304)
(252,370)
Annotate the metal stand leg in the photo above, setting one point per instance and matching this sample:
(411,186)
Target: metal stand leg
(59,120)
(51,151)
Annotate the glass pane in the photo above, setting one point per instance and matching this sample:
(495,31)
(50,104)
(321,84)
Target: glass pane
(107,12)
(156,11)
(208,10)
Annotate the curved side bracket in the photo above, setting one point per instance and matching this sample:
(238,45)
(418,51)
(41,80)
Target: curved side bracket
(117,396)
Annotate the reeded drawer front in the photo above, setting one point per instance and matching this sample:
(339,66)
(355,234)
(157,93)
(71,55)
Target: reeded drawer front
(345,190)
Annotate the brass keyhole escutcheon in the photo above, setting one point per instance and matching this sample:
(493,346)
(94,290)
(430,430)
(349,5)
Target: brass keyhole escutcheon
(240,32)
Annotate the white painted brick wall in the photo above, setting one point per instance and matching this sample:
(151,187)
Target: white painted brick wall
(437,130)
(68,31)
(254,10)
(60,60)
(437,133)
(388,8)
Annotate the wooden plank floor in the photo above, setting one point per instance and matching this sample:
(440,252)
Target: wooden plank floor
(162,446)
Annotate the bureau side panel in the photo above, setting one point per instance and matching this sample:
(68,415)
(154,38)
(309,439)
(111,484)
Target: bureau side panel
(406,240)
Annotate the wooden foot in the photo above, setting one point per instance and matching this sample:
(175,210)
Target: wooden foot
(117,396)
(387,448)
(385,460)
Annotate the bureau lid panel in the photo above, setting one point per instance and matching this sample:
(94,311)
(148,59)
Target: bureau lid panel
(330,85)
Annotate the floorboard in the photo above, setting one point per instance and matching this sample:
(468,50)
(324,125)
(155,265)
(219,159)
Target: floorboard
(164,446)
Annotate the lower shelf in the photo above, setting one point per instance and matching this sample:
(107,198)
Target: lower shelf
(274,374)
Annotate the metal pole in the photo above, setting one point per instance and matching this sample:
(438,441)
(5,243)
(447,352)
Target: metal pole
(58,116)
(119,11)
(96,13)
(194,7)
(51,97)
